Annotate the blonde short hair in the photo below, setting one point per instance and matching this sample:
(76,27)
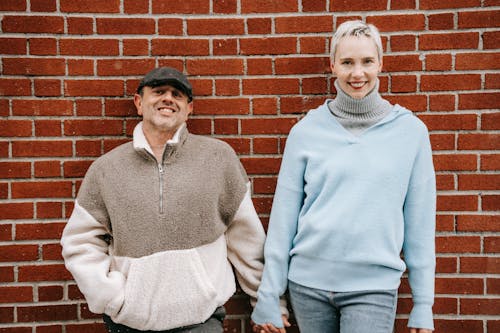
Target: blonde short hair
(356,28)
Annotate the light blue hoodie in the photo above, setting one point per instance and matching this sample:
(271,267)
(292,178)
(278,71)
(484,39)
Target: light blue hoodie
(345,208)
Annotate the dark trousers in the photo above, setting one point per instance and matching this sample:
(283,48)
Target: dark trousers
(211,325)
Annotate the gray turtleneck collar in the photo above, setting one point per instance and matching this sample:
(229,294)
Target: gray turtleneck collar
(356,115)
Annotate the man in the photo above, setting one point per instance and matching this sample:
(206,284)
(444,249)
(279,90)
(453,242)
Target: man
(158,222)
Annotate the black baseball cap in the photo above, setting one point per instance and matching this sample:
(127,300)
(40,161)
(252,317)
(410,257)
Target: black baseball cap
(166,75)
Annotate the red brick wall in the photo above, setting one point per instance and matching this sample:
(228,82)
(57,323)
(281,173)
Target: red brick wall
(69,69)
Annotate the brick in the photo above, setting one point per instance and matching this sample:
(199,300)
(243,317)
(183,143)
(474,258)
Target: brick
(402,63)
(135,47)
(349,6)
(259,25)
(54,189)
(263,46)
(460,40)
(41,148)
(266,105)
(15,128)
(264,6)
(93,88)
(476,101)
(455,162)
(80,25)
(492,81)
(267,125)
(181,7)
(80,67)
(442,21)
(478,182)
(265,185)
(385,23)
(491,40)
(403,83)
(445,182)
(88,148)
(449,121)
(46,210)
(93,127)
(490,202)
(35,273)
(270,86)
(481,19)
(490,162)
(450,82)
(228,46)
(15,170)
(442,102)
(457,203)
(313,45)
(5,231)
(47,169)
(315,65)
(316,85)
(479,306)
(262,205)
(225,6)
(52,252)
(261,165)
(259,66)
(222,106)
(4,190)
(90,47)
(403,43)
(6,275)
(265,146)
(75,168)
(16,294)
(446,265)
(478,141)
(37,107)
(122,67)
(47,313)
(471,61)
(125,26)
(15,87)
(19,66)
(11,5)
(290,105)
(492,244)
(458,244)
(47,87)
(480,265)
(477,223)
(180,47)
(226,126)
(438,62)
(219,26)
(90,6)
(33,24)
(12,253)
(170,26)
(314,5)
(16,210)
(227,87)
(39,231)
(43,46)
(85,328)
(48,128)
(454,325)
(227,66)
(200,126)
(431,4)
(89,107)
(119,108)
(304,24)
(136,6)
(4,107)
(463,286)
(43,5)
(240,145)
(10,45)
(493,286)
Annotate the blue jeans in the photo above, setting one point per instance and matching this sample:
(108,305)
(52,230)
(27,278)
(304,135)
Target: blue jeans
(214,324)
(321,311)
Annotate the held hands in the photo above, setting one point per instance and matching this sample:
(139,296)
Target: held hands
(270,328)
(420,330)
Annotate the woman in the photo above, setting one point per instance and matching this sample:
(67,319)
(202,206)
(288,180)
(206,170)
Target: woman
(355,189)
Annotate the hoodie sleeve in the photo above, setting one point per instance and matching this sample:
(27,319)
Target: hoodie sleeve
(245,240)
(85,251)
(419,239)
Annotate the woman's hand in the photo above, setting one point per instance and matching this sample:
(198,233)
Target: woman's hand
(270,328)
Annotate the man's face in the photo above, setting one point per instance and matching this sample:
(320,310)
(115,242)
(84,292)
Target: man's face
(163,109)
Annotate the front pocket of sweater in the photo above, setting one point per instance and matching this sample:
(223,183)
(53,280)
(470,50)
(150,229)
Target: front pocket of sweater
(167,290)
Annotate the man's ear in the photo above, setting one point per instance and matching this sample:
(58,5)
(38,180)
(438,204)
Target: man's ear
(190,107)
(138,103)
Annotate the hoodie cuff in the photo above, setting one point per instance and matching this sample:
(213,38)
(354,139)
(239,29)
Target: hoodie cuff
(421,317)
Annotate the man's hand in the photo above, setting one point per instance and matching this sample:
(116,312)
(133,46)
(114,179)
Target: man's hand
(270,328)
(420,330)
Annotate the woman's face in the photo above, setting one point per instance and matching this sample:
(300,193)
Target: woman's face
(356,65)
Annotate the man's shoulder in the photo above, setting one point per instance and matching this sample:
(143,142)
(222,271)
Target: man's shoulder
(210,143)
(117,153)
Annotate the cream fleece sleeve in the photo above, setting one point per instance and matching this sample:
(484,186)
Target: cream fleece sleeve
(86,256)
(245,241)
